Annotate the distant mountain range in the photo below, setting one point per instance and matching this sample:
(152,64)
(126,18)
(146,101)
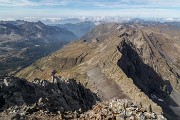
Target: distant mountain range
(21,43)
(96,19)
(34,30)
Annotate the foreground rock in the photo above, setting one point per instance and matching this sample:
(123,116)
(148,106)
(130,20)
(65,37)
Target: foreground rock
(63,99)
(115,109)
(121,109)
(20,98)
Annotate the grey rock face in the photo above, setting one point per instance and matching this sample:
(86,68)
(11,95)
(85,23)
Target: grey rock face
(23,98)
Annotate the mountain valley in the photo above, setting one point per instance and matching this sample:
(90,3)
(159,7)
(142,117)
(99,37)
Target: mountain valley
(22,43)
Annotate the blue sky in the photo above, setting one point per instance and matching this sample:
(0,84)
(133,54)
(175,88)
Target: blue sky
(19,9)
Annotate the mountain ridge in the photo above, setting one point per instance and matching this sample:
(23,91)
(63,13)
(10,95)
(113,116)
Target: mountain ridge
(124,54)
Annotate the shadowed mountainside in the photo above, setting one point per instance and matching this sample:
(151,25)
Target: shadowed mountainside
(146,79)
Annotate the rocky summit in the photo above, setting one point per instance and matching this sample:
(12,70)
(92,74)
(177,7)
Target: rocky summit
(63,99)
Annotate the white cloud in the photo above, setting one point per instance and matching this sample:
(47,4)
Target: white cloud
(128,3)
(25,3)
(95,3)
(124,8)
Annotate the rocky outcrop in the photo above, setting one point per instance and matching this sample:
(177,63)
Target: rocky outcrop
(22,98)
(115,109)
(120,109)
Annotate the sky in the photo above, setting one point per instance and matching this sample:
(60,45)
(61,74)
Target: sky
(19,9)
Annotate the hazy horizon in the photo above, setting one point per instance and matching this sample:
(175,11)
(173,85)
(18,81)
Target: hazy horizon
(22,9)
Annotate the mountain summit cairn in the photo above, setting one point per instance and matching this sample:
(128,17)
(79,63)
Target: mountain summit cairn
(53,75)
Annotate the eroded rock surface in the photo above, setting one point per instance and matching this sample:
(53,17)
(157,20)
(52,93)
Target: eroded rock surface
(20,98)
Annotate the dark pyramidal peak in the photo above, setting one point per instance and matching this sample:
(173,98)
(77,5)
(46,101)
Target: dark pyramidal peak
(62,99)
(136,61)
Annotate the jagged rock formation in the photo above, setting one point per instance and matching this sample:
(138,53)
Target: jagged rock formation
(22,98)
(130,58)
